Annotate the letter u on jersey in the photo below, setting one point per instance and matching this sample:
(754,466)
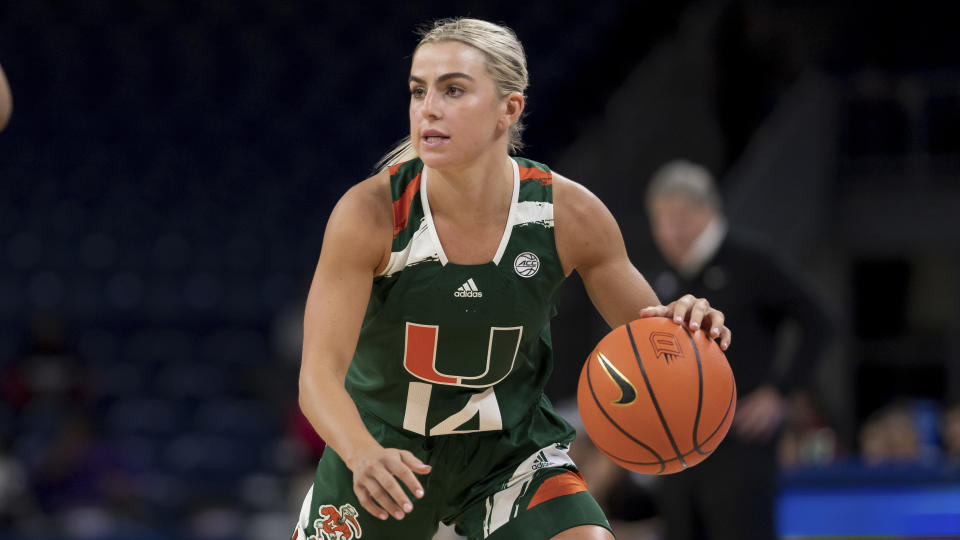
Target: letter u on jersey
(420,356)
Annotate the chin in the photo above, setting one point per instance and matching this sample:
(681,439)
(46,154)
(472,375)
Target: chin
(438,160)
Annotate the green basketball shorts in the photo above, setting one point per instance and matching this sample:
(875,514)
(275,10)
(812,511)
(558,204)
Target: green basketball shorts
(512,484)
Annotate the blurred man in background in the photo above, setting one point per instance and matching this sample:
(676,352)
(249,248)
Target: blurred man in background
(6,100)
(731,495)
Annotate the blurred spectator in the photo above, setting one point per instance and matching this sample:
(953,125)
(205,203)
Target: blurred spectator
(807,438)
(47,390)
(731,495)
(889,436)
(14,392)
(17,505)
(950,431)
(83,480)
(48,369)
(903,432)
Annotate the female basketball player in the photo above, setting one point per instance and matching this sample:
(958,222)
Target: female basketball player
(427,341)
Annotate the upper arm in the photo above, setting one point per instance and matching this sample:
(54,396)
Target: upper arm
(589,241)
(356,244)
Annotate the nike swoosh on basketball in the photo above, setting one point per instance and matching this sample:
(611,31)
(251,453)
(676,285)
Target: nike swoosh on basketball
(628,394)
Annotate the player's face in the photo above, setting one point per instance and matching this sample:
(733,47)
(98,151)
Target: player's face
(456,113)
(676,222)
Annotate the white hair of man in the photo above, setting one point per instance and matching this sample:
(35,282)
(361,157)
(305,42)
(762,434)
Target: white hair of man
(685,179)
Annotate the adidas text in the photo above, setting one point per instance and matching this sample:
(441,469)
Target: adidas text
(468,290)
(468,294)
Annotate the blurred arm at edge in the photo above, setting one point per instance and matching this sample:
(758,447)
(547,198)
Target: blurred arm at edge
(6,100)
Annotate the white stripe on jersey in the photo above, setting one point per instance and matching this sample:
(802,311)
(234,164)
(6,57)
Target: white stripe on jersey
(425,246)
(420,248)
(536,212)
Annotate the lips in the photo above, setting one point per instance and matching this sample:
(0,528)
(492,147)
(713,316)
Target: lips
(433,137)
(434,134)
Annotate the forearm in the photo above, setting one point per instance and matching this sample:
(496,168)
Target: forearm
(618,291)
(333,414)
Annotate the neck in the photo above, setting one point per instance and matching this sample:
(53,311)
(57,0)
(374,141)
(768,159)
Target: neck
(704,247)
(481,189)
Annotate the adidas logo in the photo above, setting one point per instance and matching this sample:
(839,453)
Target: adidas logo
(468,290)
(540,461)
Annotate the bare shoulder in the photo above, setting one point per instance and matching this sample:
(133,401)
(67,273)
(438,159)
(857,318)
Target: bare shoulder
(584,227)
(573,198)
(361,223)
(368,201)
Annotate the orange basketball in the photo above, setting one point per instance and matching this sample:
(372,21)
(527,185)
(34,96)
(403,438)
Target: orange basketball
(655,397)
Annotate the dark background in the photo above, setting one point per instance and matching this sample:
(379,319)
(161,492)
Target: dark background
(170,165)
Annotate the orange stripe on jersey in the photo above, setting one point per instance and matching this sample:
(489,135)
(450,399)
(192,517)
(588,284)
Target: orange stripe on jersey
(394,168)
(530,173)
(567,483)
(401,206)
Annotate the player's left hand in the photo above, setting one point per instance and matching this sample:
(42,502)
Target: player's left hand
(696,313)
(759,414)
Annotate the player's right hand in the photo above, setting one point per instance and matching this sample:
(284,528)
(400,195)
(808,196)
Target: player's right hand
(375,481)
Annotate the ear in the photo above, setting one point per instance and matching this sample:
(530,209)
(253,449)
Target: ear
(511,109)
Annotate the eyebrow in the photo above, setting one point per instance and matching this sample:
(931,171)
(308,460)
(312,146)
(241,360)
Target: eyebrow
(444,77)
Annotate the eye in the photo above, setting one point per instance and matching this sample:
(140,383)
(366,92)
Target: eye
(417,92)
(454,91)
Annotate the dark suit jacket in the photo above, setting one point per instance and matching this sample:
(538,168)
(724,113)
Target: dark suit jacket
(757,290)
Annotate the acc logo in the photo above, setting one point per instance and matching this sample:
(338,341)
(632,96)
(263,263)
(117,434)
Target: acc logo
(666,346)
(337,523)
(526,264)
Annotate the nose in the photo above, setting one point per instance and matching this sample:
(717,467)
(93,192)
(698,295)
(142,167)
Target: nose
(431,108)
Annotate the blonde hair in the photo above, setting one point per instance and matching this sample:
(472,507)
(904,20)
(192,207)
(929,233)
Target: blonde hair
(506,64)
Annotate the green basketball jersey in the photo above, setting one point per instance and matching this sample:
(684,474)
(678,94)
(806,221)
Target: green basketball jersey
(448,348)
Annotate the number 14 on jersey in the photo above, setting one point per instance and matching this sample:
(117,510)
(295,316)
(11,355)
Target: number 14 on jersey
(420,359)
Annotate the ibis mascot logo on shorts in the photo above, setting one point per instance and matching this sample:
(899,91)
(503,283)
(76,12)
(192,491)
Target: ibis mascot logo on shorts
(337,523)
